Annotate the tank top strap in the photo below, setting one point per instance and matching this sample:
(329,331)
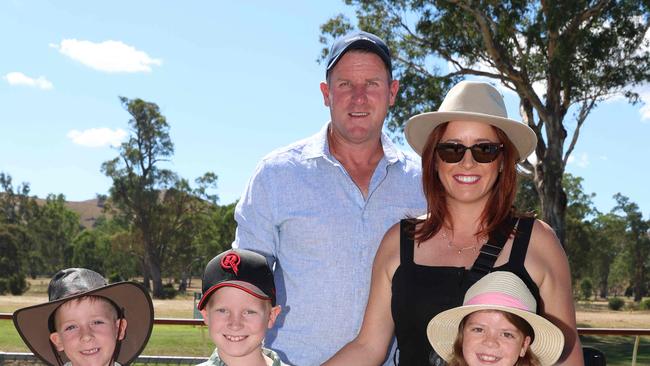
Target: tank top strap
(406,244)
(488,255)
(521,241)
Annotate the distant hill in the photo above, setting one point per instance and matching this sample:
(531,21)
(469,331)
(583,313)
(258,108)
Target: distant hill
(88,210)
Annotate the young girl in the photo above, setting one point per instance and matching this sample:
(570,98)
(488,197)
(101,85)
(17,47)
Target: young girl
(496,325)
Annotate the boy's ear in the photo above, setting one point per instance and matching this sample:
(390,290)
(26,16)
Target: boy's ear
(204,314)
(275,311)
(122,328)
(56,341)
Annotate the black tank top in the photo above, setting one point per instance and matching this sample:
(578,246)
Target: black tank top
(420,292)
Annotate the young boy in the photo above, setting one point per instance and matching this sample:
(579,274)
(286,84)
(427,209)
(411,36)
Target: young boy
(238,306)
(85,321)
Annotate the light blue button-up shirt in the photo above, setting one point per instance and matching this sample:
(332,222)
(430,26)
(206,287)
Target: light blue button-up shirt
(304,212)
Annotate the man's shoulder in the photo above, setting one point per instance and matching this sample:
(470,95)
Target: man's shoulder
(294,152)
(411,164)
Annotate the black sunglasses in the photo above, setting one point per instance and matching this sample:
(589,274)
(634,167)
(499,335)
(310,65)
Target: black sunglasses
(484,152)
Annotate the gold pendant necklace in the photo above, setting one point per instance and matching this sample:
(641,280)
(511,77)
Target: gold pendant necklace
(451,245)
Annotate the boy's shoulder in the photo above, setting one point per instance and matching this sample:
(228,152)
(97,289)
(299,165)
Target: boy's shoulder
(215,360)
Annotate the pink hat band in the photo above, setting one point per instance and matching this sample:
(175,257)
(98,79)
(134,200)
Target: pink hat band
(499,299)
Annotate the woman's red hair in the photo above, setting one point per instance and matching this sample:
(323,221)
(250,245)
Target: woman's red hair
(496,214)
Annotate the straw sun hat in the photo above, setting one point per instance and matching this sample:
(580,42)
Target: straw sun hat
(471,101)
(34,323)
(502,291)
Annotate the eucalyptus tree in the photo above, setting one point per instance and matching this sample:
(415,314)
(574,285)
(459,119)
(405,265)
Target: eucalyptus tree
(560,57)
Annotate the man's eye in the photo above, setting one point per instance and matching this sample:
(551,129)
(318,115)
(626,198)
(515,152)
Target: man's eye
(250,312)
(69,328)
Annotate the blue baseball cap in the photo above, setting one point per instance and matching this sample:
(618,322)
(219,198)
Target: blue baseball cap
(358,40)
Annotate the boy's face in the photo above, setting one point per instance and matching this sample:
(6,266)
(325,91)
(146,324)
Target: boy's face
(87,330)
(237,322)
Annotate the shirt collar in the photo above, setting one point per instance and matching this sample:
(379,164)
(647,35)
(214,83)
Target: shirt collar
(318,146)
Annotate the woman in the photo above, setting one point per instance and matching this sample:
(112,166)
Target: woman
(425,266)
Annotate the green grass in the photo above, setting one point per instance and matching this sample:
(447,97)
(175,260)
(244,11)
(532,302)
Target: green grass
(166,340)
(618,349)
(179,340)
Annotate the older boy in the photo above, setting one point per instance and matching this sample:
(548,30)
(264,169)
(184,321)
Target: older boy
(238,306)
(85,321)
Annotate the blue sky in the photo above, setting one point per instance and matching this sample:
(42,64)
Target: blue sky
(235,81)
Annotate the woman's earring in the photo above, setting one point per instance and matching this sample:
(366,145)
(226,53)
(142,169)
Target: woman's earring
(500,168)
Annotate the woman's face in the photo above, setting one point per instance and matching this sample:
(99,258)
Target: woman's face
(468,181)
(489,338)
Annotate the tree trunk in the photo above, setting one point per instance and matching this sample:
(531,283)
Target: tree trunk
(154,271)
(182,288)
(146,278)
(553,200)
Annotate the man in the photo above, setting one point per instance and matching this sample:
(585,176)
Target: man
(318,208)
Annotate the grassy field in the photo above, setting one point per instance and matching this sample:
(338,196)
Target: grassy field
(174,340)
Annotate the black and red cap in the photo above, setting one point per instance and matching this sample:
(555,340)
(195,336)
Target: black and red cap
(239,268)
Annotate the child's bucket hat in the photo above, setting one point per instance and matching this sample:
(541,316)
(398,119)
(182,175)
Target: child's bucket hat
(133,303)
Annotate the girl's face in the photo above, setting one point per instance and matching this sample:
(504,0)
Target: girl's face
(489,338)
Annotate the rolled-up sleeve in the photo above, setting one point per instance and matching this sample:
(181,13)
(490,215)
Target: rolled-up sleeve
(255,216)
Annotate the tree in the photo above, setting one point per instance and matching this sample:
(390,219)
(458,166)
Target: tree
(637,243)
(608,240)
(12,276)
(138,179)
(154,202)
(558,56)
(55,227)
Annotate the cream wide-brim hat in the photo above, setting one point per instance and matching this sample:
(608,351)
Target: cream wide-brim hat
(471,101)
(32,322)
(502,291)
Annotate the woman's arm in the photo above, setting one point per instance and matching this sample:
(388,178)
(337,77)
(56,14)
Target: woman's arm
(371,344)
(548,265)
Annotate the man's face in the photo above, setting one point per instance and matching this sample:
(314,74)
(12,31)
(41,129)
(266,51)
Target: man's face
(87,330)
(358,93)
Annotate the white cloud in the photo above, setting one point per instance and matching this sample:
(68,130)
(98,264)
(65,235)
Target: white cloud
(18,78)
(108,56)
(97,137)
(582,160)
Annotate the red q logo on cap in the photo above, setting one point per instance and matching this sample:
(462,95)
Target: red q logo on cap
(231,261)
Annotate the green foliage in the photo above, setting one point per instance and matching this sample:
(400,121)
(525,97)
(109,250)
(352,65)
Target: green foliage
(582,52)
(159,210)
(54,230)
(636,244)
(586,288)
(12,276)
(644,304)
(169,291)
(615,303)
(17,284)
